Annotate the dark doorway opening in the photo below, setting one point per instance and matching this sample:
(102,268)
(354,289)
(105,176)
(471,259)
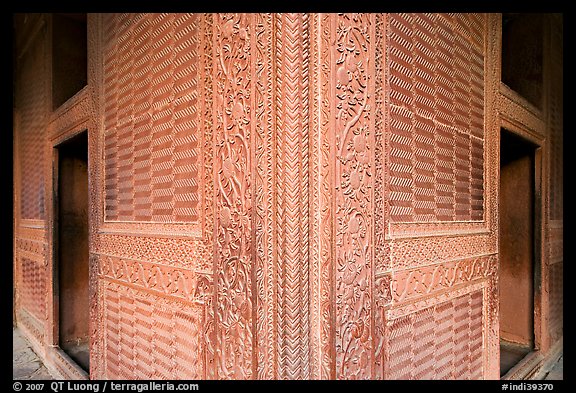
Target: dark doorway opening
(517,248)
(72,248)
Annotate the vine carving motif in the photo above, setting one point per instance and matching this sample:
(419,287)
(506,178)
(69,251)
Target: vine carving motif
(232,165)
(354,170)
(426,280)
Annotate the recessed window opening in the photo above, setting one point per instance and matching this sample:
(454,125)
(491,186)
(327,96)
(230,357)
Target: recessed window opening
(69,56)
(522,41)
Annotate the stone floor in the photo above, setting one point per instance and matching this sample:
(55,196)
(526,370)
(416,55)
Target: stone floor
(557,371)
(510,355)
(25,362)
(27,365)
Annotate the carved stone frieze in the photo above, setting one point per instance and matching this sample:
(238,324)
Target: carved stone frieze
(284,195)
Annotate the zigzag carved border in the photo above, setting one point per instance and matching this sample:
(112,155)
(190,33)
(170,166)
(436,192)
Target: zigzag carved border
(292,59)
(185,284)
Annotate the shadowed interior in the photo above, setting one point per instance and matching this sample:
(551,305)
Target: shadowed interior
(73,248)
(516,249)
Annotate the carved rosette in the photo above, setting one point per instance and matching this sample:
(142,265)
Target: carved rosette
(354,195)
(232,208)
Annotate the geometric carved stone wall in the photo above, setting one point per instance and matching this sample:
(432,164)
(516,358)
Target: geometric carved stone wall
(283,196)
(439,342)
(438,161)
(150,337)
(31,273)
(556,129)
(151,122)
(30,101)
(33,287)
(436,90)
(154,268)
(556,184)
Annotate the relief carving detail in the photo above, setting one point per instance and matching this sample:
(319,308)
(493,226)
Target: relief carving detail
(232,210)
(354,200)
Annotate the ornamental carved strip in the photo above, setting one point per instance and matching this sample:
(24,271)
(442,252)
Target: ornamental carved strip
(179,283)
(206,121)
(292,58)
(556,126)
(520,115)
(30,243)
(183,252)
(33,249)
(354,144)
(382,295)
(233,118)
(69,116)
(321,200)
(264,209)
(207,83)
(410,253)
(32,325)
(415,283)
(492,156)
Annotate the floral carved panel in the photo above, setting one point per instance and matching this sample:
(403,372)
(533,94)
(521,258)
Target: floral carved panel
(354,172)
(233,119)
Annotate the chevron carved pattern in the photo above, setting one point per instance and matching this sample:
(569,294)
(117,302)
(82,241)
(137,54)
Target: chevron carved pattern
(443,341)
(321,199)
(33,283)
(150,336)
(292,54)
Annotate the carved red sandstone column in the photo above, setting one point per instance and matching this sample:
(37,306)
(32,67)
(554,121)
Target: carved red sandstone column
(353,100)
(264,212)
(292,127)
(233,263)
(322,365)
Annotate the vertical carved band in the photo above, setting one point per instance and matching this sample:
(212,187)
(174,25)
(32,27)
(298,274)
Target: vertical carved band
(321,190)
(354,127)
(337,200)
(208,189)
(292,56)
(264,208)
(232,187)
(381,252)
